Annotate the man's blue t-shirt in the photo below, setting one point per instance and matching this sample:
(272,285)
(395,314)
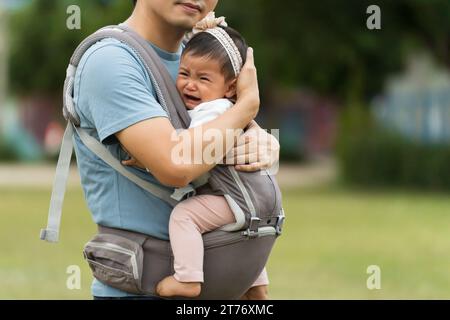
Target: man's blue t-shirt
(112,91)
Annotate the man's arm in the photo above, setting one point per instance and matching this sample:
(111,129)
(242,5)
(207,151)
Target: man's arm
(150,142)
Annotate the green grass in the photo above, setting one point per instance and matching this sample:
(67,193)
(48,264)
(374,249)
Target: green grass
(33,269)
(330,238)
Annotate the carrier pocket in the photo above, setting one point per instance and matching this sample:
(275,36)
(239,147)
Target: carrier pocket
(116,261)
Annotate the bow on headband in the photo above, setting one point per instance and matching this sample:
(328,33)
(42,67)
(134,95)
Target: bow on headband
(211,25)
(209,22)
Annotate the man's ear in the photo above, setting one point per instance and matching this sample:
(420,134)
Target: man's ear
(231,91)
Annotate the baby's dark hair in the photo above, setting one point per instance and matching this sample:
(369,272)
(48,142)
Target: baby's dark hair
(204,44)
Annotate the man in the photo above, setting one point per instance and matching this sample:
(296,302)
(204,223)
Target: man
(116,101)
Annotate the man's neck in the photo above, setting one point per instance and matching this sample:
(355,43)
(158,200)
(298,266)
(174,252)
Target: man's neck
(152,29)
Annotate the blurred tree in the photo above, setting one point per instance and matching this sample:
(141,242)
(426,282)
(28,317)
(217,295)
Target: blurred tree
(429,22)
(41,44)
(323,45)
(3,56)
(326,45)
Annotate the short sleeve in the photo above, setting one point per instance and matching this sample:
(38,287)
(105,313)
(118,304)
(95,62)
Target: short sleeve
(114,90)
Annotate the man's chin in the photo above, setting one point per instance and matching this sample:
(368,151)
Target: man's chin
(185,24)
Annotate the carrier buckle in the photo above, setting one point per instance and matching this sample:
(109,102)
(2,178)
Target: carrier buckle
(183,193)
(252,230)
(280,222)
(49,235)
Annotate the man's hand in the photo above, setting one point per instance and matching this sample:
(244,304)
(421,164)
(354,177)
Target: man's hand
(255,150)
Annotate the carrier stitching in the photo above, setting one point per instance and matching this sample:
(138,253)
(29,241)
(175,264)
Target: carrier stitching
(241,186)
(78,56)
(274,192)
(154,83)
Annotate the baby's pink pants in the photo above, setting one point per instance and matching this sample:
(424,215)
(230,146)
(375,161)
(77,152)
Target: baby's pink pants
(189,220)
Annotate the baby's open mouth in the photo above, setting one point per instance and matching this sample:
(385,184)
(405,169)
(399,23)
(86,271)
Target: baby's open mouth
(192,98)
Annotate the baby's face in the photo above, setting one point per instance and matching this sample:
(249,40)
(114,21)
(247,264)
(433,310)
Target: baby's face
(201,80)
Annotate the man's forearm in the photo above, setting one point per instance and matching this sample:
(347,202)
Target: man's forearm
(156,145)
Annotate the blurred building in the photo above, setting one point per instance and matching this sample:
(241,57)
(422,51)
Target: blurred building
(417,103)
(18,134)
(307,122)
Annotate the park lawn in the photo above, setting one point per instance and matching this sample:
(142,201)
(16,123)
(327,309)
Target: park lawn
(331,236)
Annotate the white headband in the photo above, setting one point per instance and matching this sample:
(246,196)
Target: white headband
(211,24)
(230,47)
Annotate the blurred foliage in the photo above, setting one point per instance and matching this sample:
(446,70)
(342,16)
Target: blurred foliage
(370,155)
(41,44)
(323,45)
(319,45)
(7,154)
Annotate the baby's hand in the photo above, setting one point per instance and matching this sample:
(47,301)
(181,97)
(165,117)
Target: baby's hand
(132,162)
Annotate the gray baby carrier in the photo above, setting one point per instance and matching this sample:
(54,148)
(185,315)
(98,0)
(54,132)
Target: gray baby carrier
(234,255)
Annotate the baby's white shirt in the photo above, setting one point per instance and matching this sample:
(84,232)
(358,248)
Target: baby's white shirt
(208,111)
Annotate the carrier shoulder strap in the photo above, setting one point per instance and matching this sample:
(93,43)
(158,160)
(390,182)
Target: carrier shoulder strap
(169,96)
(166,94)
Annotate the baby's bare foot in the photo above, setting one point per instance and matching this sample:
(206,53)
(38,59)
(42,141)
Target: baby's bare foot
(170,287)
